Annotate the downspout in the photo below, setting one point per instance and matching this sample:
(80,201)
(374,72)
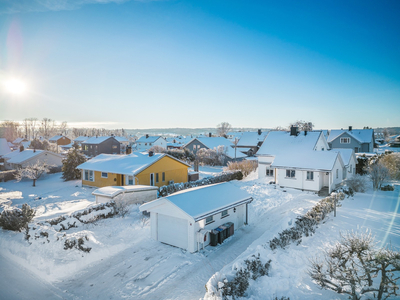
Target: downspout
(247,214)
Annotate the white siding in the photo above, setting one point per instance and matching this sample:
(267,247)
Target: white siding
(173,231)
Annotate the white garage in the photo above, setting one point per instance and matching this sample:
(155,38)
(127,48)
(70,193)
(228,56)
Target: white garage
(179,219)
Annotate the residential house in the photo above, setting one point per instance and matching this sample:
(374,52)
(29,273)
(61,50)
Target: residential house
(101,145)
(60,140)
(80,139)
(185,219)
(177,142)
(4,147)
(137,168)
(147,141)
(300,160)
(349,161)
(360,140)
(230,153)
(250,142)
(124,143)
(21,159)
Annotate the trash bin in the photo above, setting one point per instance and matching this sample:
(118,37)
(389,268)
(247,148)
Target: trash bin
(220,235)
(224,232)
(214,237)
(231,228)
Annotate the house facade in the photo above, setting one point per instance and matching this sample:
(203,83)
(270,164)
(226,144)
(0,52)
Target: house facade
(60,140)
(22,159)
(101,145)
(133,169)
(147,141)
(360,140)
(185,219)
(250,142)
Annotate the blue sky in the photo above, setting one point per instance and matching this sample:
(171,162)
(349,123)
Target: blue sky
(158,64)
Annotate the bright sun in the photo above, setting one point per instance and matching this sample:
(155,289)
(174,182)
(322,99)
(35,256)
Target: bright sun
(15,86)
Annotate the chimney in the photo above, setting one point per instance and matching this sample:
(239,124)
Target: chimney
(350,128)
(128,150)
(21,148)
(112,134)
(293,130)
(209,134)
(147,136)
(259,131)
(305,132)
(151,153)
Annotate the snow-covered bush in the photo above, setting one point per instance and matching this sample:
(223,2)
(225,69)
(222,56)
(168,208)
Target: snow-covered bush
(176,187)
(356,268)
(357,183)
(16,219)
(77,244)
(245,166)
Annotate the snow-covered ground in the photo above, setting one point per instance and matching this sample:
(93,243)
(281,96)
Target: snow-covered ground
(125,263)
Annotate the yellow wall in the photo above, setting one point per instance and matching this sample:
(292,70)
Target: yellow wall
(100,182)
(174,170)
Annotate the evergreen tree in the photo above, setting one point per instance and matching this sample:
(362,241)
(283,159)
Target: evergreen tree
(73,159)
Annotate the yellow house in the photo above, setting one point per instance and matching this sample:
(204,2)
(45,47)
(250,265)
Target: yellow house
(137,168)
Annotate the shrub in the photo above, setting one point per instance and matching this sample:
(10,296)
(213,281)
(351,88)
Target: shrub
(7,175)
(245,166)
(387,188)
(17,219)
(357,183)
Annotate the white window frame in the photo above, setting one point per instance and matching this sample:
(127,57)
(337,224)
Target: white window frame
(310,175)
(224,213)
(269,172)
(209,220)
(290,173)
(345,140)
(194,147)
(102,175)
(130,180)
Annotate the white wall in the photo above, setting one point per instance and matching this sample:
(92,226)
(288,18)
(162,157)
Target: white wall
(300,180)
(321,144)
(264,162)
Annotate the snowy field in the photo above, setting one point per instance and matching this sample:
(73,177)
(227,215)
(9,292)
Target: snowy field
(125,263)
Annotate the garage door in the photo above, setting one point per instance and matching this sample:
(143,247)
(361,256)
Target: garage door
(173,231)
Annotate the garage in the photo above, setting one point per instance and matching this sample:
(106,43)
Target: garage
(173,231)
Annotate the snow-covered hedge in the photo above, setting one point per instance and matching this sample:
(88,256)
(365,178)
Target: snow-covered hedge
(16,218)
(172,188)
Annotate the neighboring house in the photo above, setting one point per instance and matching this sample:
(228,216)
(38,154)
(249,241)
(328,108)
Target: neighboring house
(177,142)
(18,141)
(214,143)
(185,219)
(4,147)
(234,135)
(360,140)
(17,159)
(124,143)
(137,168)
(250,142)
(60,140)
(147,141)
(299,160)
(101,145)
(349,161)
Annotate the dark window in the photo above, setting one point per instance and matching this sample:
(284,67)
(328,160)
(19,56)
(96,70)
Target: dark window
(163,176)
(224,213)
(310,175)
(157,177)
(209,219)
(290,173)
(269,172)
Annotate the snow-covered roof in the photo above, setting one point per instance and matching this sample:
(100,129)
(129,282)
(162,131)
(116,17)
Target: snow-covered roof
(17,157)
(345,154)
(250,138)
(18,140)
(4,148)
(97,139)
(133,163)
(81,139)
(149,139)
(215,142)
(203,201)
(280,141)
(55,138)
(121,139)
(112,191)
(307,160)
(361,135)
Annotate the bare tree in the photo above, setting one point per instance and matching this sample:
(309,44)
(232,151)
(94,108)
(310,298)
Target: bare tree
(157,149)
(303,125)
(223,128)
(32,171)
(10,130)
(354,267)
(379,173)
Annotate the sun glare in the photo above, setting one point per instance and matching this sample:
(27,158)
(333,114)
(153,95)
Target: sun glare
(15,86)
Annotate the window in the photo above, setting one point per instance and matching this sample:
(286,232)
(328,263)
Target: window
(145,144)
(149,144)
(209,219)
(163,176)
(104,175)
(323,149)
(345,140)
(194,147)
(156,177)
(91,176)
(356,150)
(224,213)
(269,172)
(198,146)
(310,175)
(86,177)
(337,173)
(290,173)
(130,180)
(114,146)
(152,179)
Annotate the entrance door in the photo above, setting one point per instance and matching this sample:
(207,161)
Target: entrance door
(152,179)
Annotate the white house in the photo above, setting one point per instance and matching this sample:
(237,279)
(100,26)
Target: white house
(17,159)
(349,161)
(181,218)
(146,142)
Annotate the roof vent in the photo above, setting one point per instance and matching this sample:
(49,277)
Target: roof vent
(151,153)
(293,130)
